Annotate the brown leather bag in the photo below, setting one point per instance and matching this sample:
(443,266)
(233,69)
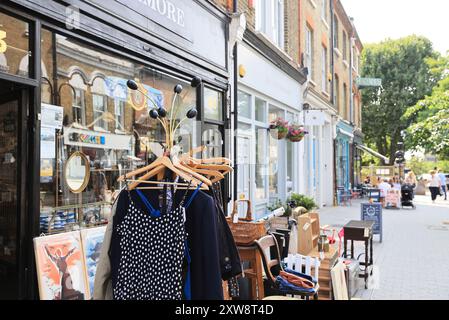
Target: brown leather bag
(245,231)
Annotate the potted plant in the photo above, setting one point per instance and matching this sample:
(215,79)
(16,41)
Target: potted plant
(306,204)
(279,129)
(296,133)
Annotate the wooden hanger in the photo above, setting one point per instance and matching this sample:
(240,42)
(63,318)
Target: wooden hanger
(156,168)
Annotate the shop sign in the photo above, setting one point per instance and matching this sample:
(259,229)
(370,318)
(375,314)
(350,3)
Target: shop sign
(172,13)
(92,139)
(369,82)
(373,212)
(87,138)
(314,118)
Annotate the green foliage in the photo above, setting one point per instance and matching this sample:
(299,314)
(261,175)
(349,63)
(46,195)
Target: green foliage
(303,201)
(298,200)
(422,167)
(431,130)
(409,69)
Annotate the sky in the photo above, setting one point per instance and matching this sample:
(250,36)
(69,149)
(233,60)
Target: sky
(377,20)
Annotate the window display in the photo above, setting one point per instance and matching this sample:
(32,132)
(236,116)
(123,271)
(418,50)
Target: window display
(105,129)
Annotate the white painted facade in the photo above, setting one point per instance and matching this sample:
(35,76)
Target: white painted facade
(318,150)
(268,169)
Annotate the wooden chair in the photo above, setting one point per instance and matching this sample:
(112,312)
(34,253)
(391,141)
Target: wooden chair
(272,268)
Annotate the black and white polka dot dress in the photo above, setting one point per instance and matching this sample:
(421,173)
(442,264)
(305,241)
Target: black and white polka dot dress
(152,253)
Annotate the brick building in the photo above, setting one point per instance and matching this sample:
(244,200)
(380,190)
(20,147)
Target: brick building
(267,86)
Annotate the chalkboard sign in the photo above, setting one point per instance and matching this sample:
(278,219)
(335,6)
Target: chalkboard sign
(373,212)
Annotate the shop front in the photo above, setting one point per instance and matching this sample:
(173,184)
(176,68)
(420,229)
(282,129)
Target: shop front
(343,152)
(71,126)
(319,120)
(268,166)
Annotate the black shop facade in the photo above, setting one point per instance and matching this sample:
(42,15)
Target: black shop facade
(69,124)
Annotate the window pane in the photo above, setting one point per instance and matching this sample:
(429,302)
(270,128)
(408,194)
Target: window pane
(14,46)
(244,105)
(261,110)
(261,164)
(109,154)
(213,104)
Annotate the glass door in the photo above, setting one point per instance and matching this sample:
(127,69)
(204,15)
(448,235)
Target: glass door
(10,190)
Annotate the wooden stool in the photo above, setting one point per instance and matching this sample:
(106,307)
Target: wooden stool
(255,272)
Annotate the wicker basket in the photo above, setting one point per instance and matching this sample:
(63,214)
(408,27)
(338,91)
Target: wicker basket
(245,231)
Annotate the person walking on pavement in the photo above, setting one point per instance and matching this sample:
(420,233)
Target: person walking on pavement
(435,185)
(442,177)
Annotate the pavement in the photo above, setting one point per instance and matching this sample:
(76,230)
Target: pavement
(412,262)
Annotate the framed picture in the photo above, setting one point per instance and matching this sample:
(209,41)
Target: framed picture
(92,240)
(60,267)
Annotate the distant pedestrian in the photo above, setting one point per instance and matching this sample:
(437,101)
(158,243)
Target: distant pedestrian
(435,185)
(384,187)
(396,183)
(411,179)
(442,177)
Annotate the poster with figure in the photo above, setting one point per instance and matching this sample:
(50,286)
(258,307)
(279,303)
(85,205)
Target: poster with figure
(60,267)
(92,240)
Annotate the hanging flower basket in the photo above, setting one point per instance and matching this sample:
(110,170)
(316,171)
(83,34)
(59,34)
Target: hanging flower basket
(279,129)
(296,133)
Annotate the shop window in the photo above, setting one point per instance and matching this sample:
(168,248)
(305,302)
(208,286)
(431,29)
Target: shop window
(261,110)
(274,156)
(261,164)
(96,116)
(244,105)
(213,104)
(14,46)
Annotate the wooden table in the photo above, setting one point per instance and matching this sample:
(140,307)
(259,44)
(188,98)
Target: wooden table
(252,255)
(360,231)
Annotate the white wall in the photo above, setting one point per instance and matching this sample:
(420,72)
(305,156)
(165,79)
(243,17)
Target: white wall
(264,76)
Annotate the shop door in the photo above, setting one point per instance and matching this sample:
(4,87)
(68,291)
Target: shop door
(244,170)
(12,100)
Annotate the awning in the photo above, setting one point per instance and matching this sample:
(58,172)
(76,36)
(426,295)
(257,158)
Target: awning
(374,153)
(346,133)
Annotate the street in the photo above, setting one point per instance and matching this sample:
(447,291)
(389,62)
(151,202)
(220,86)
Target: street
(413,260)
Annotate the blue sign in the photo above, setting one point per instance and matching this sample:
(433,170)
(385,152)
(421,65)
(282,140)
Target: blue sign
(373,212)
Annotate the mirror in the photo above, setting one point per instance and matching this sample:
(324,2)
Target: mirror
(77,172)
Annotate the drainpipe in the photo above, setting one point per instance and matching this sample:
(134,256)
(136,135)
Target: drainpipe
(236,79)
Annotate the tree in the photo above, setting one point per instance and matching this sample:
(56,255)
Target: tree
(405,68)
(431,115)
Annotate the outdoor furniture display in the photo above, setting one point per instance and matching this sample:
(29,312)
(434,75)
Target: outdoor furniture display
(373,212)
(245,230)
(308,232)
(360,231)
(254,272)
(327,262)
(273,268)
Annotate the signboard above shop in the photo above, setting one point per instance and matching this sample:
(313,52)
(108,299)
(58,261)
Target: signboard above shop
(368,82)
(188,24)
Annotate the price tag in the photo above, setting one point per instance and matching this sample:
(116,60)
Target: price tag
(236,218)
(366,233)
(306,226)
